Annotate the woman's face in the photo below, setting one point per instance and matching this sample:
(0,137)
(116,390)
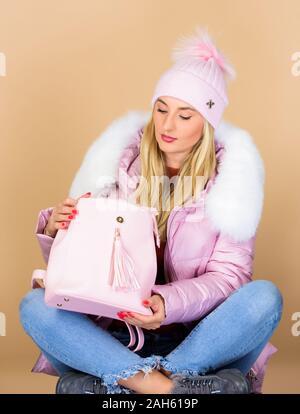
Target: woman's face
(186,125)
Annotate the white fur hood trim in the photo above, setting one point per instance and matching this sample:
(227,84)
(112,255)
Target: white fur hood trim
(234,203)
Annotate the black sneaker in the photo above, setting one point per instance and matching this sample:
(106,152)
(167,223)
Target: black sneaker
(226,381)
(80,383)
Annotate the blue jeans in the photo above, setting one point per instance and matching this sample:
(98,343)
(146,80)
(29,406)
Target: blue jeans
(231,336)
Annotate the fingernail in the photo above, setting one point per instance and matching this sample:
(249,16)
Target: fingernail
(63,224)
(75,211)
(70,217)
(146,302)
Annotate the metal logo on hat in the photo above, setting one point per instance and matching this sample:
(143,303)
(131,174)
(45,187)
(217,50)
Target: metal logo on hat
(210,103)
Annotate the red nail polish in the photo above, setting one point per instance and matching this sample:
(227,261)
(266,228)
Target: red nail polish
(74,211)
(146,302)
(63,224)
(70,217)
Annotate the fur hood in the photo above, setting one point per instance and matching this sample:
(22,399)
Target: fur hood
(234,202)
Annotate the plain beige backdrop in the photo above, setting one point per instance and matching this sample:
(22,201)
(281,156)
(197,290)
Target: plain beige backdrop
(73,66)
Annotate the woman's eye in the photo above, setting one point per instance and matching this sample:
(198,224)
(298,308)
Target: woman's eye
(160,110)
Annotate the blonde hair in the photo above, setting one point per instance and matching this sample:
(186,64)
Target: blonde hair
(201,161)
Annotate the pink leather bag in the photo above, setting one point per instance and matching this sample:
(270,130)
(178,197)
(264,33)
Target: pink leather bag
(105,262)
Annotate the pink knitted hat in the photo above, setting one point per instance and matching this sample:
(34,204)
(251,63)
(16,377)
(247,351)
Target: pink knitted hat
(198,76)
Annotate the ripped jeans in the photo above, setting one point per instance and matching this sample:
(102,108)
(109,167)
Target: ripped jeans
(231,336)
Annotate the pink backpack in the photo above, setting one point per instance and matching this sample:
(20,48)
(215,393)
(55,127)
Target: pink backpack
(105,262)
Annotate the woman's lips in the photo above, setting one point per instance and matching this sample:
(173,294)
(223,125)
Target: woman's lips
(165,138)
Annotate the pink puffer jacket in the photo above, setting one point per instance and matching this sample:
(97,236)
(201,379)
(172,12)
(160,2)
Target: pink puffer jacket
(210,243)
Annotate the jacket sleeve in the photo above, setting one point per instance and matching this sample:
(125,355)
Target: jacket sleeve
(229,267)
(45,241)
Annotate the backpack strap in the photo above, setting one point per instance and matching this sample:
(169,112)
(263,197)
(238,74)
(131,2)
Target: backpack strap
(141,337)
(132,334)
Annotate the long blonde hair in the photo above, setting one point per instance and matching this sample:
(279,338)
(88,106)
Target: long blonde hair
(201,161)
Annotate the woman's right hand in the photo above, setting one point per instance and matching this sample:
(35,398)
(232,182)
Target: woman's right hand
(62,214)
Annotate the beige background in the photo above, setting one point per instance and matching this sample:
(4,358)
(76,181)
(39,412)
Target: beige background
(74,66)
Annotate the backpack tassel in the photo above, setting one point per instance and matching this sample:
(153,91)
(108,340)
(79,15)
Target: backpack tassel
(124,277)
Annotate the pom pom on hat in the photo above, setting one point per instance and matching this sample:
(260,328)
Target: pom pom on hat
(201,46)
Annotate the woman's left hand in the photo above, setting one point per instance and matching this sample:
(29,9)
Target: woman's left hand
(157,305)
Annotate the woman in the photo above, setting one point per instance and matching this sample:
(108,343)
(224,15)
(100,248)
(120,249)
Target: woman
(211,324)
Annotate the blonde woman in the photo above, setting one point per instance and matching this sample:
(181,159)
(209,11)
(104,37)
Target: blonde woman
(211,323)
